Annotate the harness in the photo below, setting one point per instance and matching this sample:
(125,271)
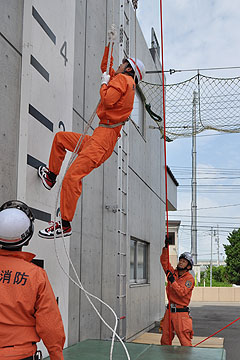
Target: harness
(113,125)
(174,308)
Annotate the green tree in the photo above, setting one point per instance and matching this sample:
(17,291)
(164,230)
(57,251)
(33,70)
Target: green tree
(219,276)
(233,257)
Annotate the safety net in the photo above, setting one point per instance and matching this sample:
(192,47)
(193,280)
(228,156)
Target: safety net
(216,102)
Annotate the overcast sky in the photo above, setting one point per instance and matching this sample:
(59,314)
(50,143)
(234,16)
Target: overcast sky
(200,34)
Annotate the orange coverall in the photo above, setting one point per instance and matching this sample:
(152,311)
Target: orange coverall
(115,107)
(28,309)
(179,293)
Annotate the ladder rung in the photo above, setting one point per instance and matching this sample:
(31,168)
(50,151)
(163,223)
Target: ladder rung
(122,211)
(122,275)
(124,192)
(121,296)
(123,254)
(124,171)
(121,232)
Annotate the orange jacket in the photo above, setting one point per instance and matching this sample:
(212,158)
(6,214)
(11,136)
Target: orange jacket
(180,291)
(117,97)
(28,308)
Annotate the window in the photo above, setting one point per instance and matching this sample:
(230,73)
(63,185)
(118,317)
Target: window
(138,261)
(171,236)
(138,113)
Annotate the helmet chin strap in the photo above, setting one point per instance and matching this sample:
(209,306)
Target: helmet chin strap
(183,268)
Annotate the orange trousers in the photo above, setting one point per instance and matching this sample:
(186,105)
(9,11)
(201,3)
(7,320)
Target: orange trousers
(181,325)
(94,150)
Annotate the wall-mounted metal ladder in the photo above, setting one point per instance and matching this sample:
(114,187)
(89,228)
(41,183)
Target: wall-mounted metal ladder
(122,184)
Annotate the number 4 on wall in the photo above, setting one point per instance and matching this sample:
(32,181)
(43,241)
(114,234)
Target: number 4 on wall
(63,52)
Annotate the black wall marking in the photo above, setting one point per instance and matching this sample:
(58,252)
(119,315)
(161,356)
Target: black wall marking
(44,25)
(35,163)
(39,68)
(40,117)
(41,215)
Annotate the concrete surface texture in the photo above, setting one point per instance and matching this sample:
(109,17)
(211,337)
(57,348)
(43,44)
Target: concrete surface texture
(208,319)
(33,108)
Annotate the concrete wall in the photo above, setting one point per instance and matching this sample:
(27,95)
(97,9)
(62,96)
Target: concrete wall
(11,22)
(216,294)
(93,245)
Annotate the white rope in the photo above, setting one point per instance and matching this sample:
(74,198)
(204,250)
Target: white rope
(88,295)
(79,284)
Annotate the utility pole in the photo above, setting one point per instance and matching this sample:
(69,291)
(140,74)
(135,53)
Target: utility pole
(211,257)
(194,183)
(218,246)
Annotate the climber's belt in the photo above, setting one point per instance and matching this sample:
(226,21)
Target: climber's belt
(174,308)
(111,126)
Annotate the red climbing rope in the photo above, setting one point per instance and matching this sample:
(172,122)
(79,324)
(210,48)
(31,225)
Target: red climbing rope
(165,156)
(217,332)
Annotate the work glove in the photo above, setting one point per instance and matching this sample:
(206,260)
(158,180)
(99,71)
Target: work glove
(166,241)
(170,276)
(105,78)
(112,33)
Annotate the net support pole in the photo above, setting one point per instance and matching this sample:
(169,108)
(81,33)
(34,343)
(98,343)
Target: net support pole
(194,182)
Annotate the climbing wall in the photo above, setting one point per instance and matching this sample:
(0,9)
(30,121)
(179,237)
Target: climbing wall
(45,108)
(43,44)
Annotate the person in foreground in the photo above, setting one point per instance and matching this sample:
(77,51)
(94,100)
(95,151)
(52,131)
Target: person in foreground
(179,291)
(28,308)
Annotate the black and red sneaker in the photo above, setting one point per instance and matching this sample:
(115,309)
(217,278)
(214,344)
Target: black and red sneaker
(48,232)
(48,179)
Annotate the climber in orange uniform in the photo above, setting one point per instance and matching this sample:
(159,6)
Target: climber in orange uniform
(179,290)
(28,307)
(117,97)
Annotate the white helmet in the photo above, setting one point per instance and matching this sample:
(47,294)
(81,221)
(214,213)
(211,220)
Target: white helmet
(16,224)
(138,67)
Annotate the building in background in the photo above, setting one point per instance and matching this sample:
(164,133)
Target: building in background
(50,75)
(173,228)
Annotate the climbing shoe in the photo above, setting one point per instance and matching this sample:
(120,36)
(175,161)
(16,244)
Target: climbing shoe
(48,232)
(47,177)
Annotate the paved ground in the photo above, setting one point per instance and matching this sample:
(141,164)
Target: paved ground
(208,319)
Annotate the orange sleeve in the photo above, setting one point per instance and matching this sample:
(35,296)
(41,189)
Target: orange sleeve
(111,93)
(164,261)
(183,290)
(49,324)
(104,62)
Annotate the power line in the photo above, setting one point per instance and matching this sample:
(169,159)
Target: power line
(204,216)
(173,71)
(210,178)
(211,207)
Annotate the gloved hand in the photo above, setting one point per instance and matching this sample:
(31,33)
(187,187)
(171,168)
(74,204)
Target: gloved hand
(105,78)
(166,241)
(112,33)
(170,276)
